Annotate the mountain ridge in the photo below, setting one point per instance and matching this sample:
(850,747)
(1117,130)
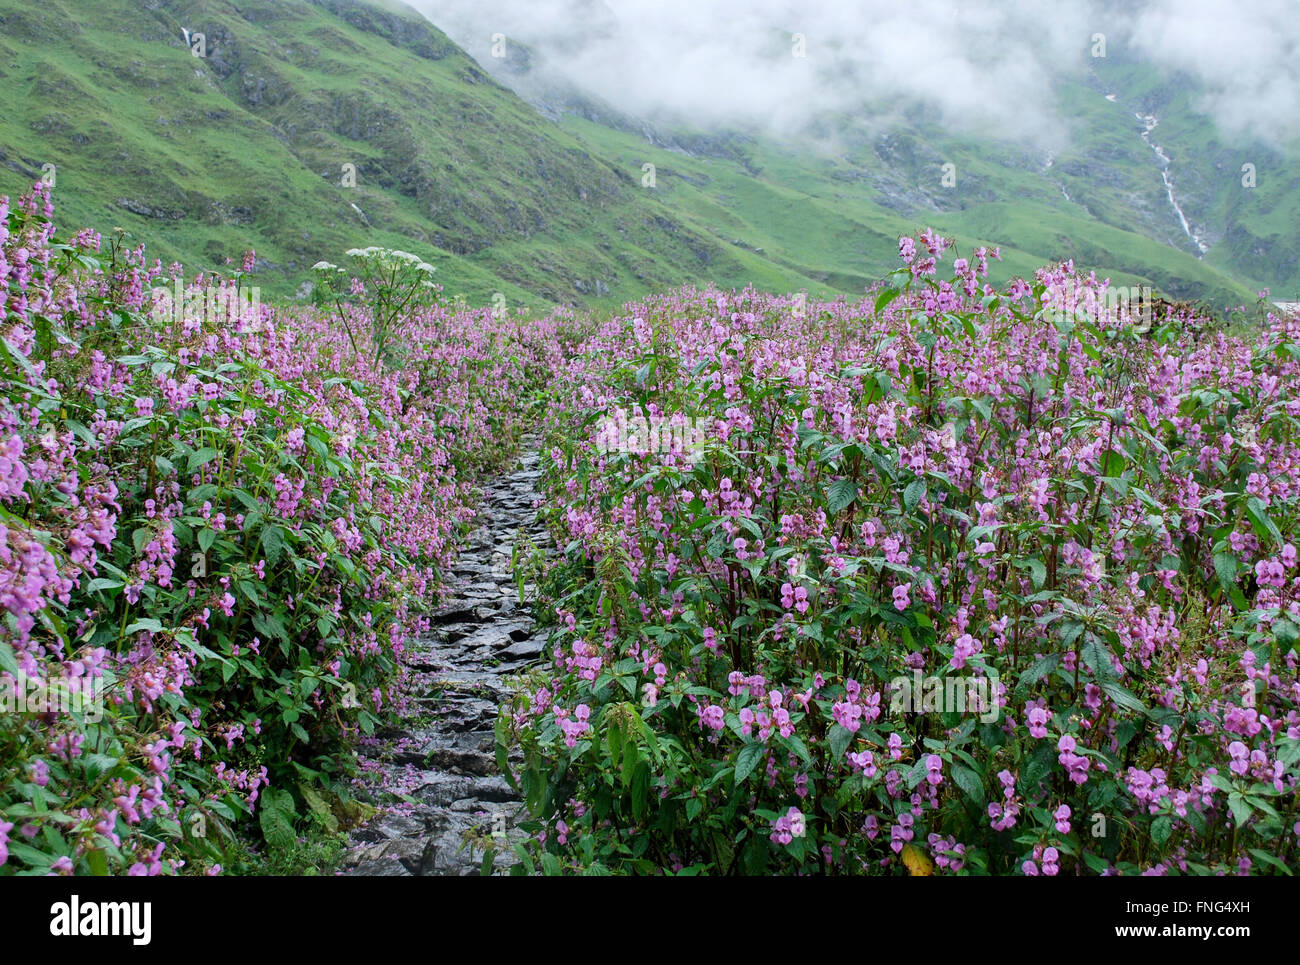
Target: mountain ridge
(205,155)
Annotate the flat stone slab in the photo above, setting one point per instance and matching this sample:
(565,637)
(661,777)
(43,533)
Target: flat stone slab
(443,801)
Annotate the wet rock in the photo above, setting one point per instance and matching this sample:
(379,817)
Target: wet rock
(525,649)
(443,757)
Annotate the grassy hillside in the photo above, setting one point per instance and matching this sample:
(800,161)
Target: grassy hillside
(1254,231)
(203,157)
(247,147)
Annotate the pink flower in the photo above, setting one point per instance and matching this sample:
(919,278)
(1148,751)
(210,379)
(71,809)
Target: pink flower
(1062,816)
(1037,719)
(934,770)
(711,717)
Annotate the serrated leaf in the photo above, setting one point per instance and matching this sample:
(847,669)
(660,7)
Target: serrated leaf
(1122,696)
(1225,568)
(840,739)
(841,493)
(1097,658)
(272,543)
(747,760)
(1161,829)
(913,494)
(1260,521)
(1038,670)
(969,782)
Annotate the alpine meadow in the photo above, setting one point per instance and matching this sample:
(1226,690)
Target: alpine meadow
(640,437)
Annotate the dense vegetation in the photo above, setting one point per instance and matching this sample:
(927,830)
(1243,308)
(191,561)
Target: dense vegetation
(945,482)
(221,524)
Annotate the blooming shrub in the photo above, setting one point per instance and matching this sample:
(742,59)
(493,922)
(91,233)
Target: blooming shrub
(393,285)
(948,481)
(223,524)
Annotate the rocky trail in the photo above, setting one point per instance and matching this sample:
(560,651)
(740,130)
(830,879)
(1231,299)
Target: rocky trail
(435,778)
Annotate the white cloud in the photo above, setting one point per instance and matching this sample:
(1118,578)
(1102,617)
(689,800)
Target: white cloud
(988,66)
(1247,56)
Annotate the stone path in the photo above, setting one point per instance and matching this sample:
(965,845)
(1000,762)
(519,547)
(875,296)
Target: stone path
(436,777)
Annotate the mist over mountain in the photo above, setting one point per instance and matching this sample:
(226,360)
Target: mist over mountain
(586,152)
(779,66)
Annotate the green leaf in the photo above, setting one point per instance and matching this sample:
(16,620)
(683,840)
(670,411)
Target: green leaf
(969,782)
(1122,696)
(1037,573)
(1286,632)
(276,818)
(800,749)
(841,493)
(98,765)
(840,740)
(201,457)
(150,624)
(1271,860)
(206,538)
(1260,521)
(98,863)
(1225,568)
(1038,670)
(1161,829)
(640,790)
(1240,809)
(1097,658)
(913,494)
(272,543)
(1112,464)
(747,760)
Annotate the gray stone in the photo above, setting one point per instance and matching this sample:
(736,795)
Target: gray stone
(481,632)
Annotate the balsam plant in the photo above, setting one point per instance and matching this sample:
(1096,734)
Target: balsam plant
(229,528)
(1013,488)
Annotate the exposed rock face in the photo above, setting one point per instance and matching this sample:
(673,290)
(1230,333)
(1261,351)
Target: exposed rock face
(442,758)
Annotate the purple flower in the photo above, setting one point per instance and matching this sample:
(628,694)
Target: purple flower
(1062,816)
(934,770)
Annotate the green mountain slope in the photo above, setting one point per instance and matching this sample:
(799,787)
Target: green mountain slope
(247,146)
(203,157)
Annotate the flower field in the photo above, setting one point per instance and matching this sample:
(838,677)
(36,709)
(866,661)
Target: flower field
(949,580)
(947,490)
(218,530)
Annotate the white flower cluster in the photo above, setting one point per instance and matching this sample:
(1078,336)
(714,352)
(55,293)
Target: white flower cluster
(389,256)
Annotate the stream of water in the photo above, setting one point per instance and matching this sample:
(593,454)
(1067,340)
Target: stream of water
(1149,122)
